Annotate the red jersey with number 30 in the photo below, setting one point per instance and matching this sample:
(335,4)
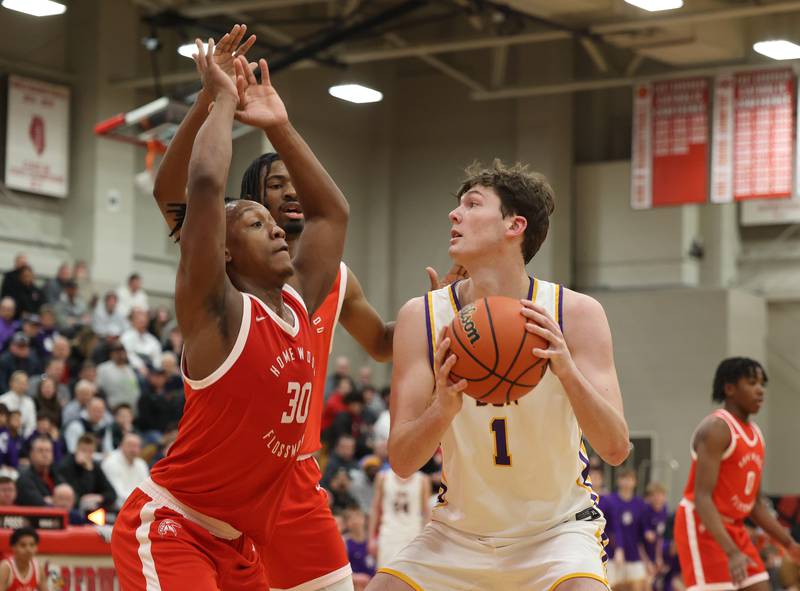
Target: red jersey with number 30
(739,479)
(243,425)
(324,324)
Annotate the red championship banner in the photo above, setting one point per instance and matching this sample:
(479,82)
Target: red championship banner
(670,143)
(753,150)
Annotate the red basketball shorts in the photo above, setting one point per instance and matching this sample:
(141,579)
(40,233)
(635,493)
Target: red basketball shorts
(155,548)
(703,563)
(306,551)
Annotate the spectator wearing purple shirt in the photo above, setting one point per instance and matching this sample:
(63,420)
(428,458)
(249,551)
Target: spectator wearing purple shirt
(8,325)
(654,524)
(361,561)
(626,572)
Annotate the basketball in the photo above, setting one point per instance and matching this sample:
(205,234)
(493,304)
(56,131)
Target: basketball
(494,350)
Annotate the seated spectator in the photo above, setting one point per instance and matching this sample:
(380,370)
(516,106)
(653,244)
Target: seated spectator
(343,456)
(86,478)
(339,491)
(8,491)
(31,327)
(47,332)
(341,371)
(363,485)
(169,363)
(28,296)
(351,421)
(19,357)
(174,342)
(64,498)
(158,407)
(373,404)
(154,452)
(47,392)
(88,372)
(80,273)
(160,323)
(36,482)
(17,399)
(117,378)
(96,421)
(45,427)
(107,319)
(124,468)
(71,310)
(84,392)
(123,423)
(335,403)
(356,542)
(55,286)
(144,350)
(132,296)
(11,278)
(9,454)
(8,323)
(61,350)
(15,438)
(364,379)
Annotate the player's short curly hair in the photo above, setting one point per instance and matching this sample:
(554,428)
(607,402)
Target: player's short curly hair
(522,192)
(730,371)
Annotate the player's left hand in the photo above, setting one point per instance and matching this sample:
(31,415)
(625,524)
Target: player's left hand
(455,273)
(541,324)
(215,81)
(259,103)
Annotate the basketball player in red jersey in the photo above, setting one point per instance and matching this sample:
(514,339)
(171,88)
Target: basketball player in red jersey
(724,489)
(249,356)
(21,572)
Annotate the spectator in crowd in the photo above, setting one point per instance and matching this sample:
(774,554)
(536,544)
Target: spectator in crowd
(361,561)
(96,421)
(351,421)
(627,571)
(8,491)
(8,322)
(335,405)
(339,491)
(159,450)
(107,319)
(54,287)
(88,372)
(174,341)
(32,327)
(9,454)
(80,273)
(373,404)
(36,482)
(169,363)
(11,278)
(47,332)
(28,296)
(71,310)
(15,438)
(364,378)
(158,407)
(143,348)
(87,479)
(654,525)
(19,357)
(17,399)
(46,399)
(62,351)
(132,296)
(84,392)
(54,371)
(363,486)
(341,369)
(160,323)
(117,378)
(123,423)
(343,456)
(45,428)
(64,498)
(124,468)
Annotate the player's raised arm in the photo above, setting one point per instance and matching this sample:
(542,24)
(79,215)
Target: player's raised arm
(712,439)
(326,212)
(208,306)
(422,404)
(173,172)
(364,323)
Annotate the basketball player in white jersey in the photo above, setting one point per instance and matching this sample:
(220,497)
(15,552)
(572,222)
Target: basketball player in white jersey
(400,509)
(516,510)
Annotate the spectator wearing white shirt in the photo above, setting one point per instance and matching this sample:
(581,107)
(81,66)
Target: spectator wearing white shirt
(117,378)
(132,296)
(143,348)
(95,420)
(17,399)
(107,318)
(84,392)
(124,468)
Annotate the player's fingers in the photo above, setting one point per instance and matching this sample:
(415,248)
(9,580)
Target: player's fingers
(264,72)
(245,47)
(460,385)
(441,350)
(200,55)
(249,75)
(544,353)
(223,43)
(546,334)
(210,51)
(235,37)
(540,319)
(444,371)
(433,276)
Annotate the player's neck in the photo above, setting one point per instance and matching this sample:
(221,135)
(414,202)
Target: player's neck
(292,240)
(23,566)
(272,296)
(737,412)
(511,282)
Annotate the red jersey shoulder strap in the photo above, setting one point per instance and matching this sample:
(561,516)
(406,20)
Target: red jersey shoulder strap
(724,415)
(738,427)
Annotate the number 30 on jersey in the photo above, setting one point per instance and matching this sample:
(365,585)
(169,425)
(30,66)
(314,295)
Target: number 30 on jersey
(299,401)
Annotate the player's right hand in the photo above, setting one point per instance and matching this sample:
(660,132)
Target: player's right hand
(737,566)
(216,82)
(227,49)
(447,394)
(455,273)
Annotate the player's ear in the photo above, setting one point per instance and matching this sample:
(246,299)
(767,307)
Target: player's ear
(228,256)
(518,225)
(729,389)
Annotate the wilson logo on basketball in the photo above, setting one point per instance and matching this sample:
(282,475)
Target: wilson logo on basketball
(168,528)
(468,325)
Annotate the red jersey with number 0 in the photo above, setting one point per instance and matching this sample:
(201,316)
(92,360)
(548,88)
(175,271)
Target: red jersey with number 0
(243,425)
(324,324)
(739,479)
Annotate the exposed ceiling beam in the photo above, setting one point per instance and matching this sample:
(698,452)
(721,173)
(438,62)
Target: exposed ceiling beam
(594,52)
(241,6)
(499,65)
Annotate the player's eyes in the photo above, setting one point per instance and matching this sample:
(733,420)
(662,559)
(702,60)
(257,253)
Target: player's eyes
(275,187)
(256,224)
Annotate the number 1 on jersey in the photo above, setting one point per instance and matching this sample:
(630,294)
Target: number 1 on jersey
(501,455)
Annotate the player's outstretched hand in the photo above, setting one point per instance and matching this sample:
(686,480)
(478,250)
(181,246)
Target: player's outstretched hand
(215,81)
(541,324)
(448,394)
(230,47)
(455,273)
(737,566)
(259,103)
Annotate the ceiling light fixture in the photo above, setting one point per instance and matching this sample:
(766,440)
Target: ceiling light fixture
(190,49)
(778,49)
(355,93)
(35,7)
(656,5)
